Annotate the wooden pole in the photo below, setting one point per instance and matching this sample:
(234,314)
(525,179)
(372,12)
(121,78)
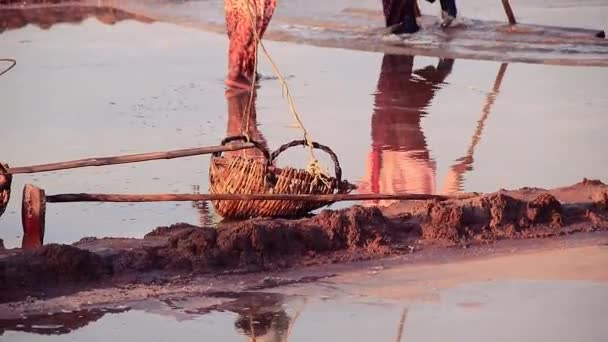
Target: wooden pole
(131,158)
(33,212)
(82,197)
(401,325)
(509,11)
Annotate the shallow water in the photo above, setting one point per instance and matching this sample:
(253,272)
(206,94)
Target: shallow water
(493,310)
(398,123)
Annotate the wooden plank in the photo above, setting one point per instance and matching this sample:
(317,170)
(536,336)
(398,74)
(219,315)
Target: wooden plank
(83,197)
(33,211)
(131,158)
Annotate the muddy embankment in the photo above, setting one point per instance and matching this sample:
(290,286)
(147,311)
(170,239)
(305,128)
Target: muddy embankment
(332,236)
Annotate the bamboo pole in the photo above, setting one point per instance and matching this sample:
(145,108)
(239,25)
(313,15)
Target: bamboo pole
(509,11)
(131,158)
(83,197)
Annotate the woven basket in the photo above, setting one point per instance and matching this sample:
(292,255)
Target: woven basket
(5,188)
(239,175)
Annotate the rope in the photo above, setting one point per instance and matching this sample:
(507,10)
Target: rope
(314,167)
(255,68)
(10,60)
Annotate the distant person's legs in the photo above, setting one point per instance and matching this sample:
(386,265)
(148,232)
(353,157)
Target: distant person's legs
(400,14)
(448,12)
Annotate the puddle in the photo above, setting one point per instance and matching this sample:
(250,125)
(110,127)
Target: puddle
(84,88)
(497,310)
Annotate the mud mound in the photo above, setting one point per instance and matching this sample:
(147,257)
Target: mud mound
(600,200)
(331,236)
(259,244)
(545,209)
(267,244)
(443,222)
(487,218)
(51,264)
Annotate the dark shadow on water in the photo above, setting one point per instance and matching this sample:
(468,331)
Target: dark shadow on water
(60,323)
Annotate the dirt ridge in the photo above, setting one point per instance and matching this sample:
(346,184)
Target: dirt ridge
(355,233)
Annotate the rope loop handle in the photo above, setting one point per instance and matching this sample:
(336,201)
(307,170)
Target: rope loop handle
(244,139)
(340,185)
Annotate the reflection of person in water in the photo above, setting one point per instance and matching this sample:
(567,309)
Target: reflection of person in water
(242,119)
(400,160)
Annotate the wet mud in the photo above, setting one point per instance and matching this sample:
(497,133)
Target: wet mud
(356,233)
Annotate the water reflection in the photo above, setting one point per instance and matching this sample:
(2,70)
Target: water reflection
(261,317)
(400,160)
(204,209)
(469,312)
(242,120)
(45,17)
(464,164)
